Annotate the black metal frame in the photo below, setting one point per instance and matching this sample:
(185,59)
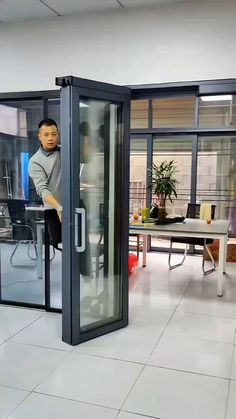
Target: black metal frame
(206,87)
(72,90)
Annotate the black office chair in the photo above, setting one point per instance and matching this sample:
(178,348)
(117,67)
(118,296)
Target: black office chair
(193,211)
(22,231)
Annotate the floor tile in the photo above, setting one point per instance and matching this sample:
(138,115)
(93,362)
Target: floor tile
(45,332)
(231,408)
(15,319)
(201,326)
(91,379)
(158,277)
(161,300)
(39,406)
(194,355)
(10,398)
(134,342)
(25,366)
(167,394)
(201,297)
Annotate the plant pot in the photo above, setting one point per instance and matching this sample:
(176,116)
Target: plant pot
(162,213)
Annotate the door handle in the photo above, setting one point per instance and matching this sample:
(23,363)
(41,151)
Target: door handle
(80,248)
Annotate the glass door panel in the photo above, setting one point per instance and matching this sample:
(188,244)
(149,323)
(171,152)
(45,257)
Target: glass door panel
(97,136)
(95,153)
(179,150)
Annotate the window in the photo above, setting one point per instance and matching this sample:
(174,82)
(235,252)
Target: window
(138,173)
(217,111)
(216,173)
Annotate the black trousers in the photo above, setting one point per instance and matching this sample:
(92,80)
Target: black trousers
(54,226)
(55,232)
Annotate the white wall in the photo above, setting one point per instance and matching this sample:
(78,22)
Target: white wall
(186,41)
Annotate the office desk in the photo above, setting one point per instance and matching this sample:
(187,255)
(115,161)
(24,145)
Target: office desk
(218,229)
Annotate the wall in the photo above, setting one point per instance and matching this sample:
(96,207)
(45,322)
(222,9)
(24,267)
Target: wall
(181,42)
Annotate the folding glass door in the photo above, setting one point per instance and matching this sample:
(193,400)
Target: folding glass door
(95,173)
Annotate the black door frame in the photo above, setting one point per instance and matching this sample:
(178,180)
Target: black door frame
(72,89)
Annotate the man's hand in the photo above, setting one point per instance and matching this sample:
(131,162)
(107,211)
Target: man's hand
(59,213)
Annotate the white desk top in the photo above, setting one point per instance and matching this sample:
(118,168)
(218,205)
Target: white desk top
(190,225)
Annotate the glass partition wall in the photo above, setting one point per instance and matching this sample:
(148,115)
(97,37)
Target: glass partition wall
(22,230)
(196,130)
(216,173)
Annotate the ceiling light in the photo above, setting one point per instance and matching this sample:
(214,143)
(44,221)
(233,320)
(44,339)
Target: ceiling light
(216,98)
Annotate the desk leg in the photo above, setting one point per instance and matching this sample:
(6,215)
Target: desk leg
(144,250)
(221,265)
(225,253)
(40,229)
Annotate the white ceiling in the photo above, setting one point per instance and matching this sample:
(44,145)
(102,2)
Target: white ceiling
(18,10)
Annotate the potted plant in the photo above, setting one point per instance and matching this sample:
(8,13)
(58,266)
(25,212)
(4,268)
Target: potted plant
(164,184)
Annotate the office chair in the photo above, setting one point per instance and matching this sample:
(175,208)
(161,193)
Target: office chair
(21,228)
(193,211)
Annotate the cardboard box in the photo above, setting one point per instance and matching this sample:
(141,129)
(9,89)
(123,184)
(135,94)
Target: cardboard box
(214,248)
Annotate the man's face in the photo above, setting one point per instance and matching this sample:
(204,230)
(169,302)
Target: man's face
(48,136)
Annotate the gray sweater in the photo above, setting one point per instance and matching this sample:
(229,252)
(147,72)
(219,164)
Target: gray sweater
(45,170)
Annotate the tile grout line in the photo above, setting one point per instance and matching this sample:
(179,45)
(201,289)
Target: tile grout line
(51,371)
(152,351)
(44,347)
(138,414)
(19,404)
(131,388)
(169,320)
(73,400)
(230,373)
(188,372)
(21,330)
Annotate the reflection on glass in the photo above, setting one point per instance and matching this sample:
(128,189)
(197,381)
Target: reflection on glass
(215,111)
(138,174)
(216,174)
(99,276)
(173,112)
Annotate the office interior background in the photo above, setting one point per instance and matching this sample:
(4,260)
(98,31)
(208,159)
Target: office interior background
(179,59)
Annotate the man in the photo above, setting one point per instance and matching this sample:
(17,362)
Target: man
(45,170)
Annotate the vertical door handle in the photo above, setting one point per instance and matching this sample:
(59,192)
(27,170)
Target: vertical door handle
(81,247)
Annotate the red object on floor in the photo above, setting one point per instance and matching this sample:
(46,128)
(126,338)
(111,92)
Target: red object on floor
(133,263)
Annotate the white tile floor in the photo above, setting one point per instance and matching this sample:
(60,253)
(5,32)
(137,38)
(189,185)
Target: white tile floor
(176,359)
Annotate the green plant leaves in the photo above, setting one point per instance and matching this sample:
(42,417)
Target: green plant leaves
(164,183)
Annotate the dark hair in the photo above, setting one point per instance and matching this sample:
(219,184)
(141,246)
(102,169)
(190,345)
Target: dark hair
(47,122)
(84,129)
